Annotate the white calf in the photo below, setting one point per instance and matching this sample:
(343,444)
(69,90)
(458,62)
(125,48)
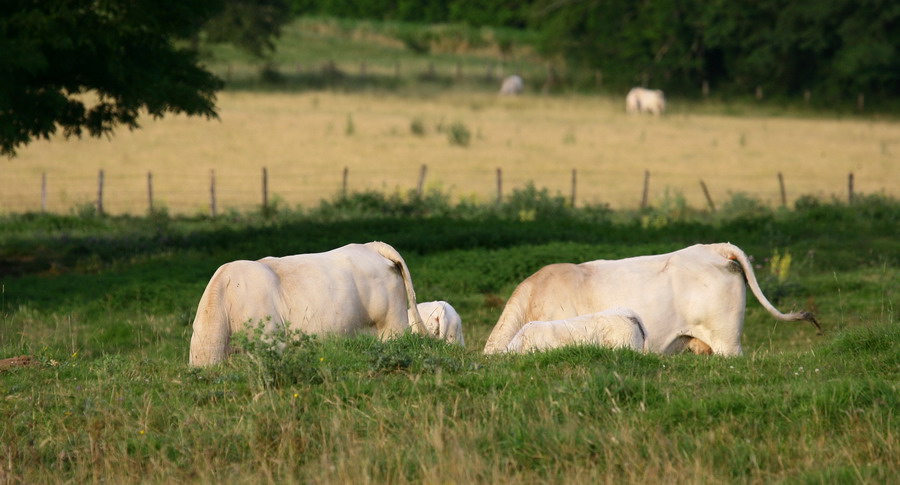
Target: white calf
(442,321)
(614,328)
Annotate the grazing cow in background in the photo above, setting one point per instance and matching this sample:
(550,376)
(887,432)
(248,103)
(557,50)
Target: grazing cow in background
(358,288)
(692,299)
(512,86)
(615,328)
(640,100)
(441,321)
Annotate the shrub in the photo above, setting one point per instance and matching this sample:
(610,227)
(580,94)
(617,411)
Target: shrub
(417,127)
(282,358)
(458,134)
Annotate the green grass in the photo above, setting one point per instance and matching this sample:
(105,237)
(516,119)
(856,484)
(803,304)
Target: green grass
(105,305)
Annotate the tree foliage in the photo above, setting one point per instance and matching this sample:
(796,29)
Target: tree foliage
(252,25)
(91,65)
(837,48)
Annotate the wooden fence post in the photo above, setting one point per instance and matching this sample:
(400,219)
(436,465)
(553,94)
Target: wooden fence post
(709,201)
(499,185)
(704,88)
(574,184)
(212,193)
(100,192)
(807,95)
(344,183)
(646,189)
(860,101)
(43,192)
(850,195)
(759,93)
(783,193)
(420,188)
(150,191)
(265,190)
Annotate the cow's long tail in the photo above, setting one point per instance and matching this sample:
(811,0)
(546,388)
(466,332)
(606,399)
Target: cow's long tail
(735,253)
(391,254)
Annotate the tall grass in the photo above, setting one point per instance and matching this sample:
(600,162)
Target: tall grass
(104,304)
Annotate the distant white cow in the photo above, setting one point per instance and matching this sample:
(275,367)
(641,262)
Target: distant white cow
(512,86)
(358,288)
(615,328)
(692,299)
(441,321)
(640,100)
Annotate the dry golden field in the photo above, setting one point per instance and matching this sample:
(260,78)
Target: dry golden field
(305,140)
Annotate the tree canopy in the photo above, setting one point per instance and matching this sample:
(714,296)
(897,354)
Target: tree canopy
(89,65)
(252,25)
(836,48)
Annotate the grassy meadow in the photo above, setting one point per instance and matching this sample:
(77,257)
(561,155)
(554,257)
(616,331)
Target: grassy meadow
(104,305)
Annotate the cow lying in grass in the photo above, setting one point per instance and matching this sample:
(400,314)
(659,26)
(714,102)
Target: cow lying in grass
(691,299)
(358,288)
(441,321)
(615,328)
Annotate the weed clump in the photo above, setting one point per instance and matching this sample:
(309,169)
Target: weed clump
(282,358)
(458,134)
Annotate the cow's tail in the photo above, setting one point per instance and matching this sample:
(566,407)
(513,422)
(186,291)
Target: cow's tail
(209,341)
(511,320)
(391,254)
(735,253)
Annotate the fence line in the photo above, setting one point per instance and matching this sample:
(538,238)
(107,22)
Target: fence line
(117,192)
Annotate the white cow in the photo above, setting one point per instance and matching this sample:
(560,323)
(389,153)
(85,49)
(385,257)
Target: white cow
(512,86)
(358,288)
(615,328)
(640,100)
(441,321)
(693,298)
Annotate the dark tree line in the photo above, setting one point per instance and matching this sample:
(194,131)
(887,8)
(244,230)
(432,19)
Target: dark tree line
(833,48)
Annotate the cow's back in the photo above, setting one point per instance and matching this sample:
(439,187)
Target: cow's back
(344,290)
(673,293)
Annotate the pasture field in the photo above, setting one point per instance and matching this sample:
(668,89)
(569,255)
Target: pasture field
(104,305)
(305,140)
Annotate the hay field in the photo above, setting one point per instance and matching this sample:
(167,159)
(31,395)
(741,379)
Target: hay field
(306,139)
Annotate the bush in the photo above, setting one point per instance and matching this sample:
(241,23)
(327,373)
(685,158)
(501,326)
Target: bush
(458,134)
(417,127)
(282,358)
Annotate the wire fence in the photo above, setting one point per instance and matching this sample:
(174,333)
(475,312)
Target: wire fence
(220,190)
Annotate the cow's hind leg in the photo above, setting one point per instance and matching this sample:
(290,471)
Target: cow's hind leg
(209,343)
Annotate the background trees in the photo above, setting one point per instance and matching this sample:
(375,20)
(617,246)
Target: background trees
(834,49)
